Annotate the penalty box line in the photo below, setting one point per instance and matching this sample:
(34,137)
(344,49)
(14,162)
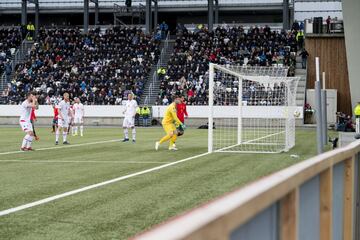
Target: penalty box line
(61,147)
(97,185)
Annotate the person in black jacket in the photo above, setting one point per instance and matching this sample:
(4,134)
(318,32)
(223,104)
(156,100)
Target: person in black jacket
(304,55)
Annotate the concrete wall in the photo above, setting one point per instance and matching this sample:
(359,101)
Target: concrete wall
(351,12)
(113,115)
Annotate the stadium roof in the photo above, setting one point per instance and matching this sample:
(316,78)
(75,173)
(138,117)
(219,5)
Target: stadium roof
(14,6)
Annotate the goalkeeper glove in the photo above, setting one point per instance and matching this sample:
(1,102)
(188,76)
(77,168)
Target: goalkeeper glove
(183,126)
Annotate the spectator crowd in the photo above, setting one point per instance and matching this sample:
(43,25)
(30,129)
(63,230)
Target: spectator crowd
(10,39)
(187,70)
(102,66)
(98,67)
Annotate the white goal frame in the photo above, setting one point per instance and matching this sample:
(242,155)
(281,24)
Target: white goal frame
(283,114)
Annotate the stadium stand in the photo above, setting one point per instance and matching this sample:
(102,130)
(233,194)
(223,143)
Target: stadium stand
(186,72)
(10,39)
(97,67)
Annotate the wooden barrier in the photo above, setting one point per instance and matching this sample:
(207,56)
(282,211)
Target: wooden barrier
(314,199)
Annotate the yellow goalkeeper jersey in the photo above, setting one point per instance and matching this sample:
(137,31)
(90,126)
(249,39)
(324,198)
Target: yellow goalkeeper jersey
(170,116)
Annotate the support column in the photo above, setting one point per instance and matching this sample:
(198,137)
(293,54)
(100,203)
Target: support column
(155,14)
(351,9)
(24,12)
(318,112)
(148,16)
(37,26)
(292,16)
(324,116)
(217,11)
(86,16)
(286,14)
(210,14)
(96,13)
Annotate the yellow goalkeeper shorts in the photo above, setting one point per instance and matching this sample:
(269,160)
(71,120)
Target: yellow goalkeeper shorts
(168,128)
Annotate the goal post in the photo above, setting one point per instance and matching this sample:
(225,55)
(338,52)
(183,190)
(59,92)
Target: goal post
(251,113)
(211,109)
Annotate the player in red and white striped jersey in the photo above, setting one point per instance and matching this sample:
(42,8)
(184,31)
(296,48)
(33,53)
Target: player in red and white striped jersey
(25,123)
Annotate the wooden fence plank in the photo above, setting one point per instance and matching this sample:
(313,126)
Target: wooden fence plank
(326,204)
(348,198)
(289,206)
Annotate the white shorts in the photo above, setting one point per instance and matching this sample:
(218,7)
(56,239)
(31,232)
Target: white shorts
(26,126)
(78,119)
(63,123)
(129,122)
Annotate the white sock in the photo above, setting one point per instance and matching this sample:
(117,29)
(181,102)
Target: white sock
(81,130)
(29,141)
(57,135)
(25,140)
(133,134)
(74,130)
(64,136)
(126,133)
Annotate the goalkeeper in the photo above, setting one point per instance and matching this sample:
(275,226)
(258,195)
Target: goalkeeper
(170,123)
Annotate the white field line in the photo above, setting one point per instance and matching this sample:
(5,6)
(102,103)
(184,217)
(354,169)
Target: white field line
(70,161)
(97,185)
(64,146)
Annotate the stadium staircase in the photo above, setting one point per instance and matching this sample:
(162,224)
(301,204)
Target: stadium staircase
(152,86)
(18,57)
(301,91)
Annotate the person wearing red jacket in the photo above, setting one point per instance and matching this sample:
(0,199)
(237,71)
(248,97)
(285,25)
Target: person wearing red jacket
(55,119)
(181,110)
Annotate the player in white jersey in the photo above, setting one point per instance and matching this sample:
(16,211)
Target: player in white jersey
(129,119)
(63,119)
(79,113)
(26,108)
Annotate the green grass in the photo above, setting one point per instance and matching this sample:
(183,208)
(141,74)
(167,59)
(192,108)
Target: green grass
(121,209)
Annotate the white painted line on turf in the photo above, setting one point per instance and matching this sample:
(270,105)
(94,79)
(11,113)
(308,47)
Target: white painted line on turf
(247,142)
(66,161)
(65,146)
(73,192)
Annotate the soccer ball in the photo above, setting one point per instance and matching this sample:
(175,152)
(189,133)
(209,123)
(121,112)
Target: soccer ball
(297,113)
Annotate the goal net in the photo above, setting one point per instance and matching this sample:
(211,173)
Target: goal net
(250,112)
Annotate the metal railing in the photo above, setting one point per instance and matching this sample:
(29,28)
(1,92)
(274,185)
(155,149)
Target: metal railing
(315,199)
(160,63)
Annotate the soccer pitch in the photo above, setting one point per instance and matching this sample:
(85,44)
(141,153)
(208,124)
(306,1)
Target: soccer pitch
(131,204)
